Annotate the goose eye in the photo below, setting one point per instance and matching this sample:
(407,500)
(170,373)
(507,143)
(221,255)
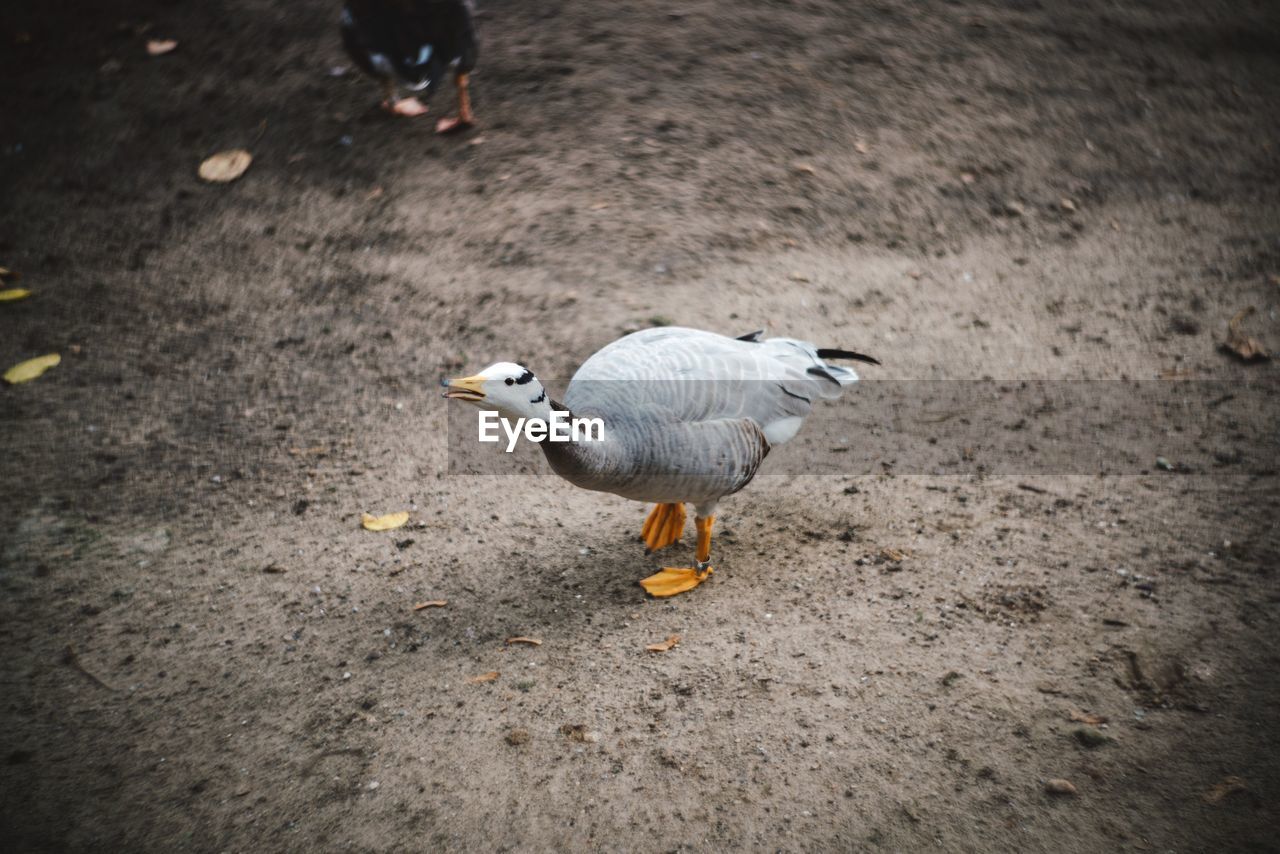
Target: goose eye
(510,381)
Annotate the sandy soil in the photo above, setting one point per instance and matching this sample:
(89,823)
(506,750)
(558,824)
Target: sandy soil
(204,651)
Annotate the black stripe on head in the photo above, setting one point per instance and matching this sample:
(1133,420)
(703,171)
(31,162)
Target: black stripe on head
(540,397)
(526,377)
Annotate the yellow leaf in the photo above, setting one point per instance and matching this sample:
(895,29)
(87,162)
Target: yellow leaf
(225,165)
(484,677)
(14,294)
(529,641)
(388,522)
(30,369)
(665,645)
(434,603)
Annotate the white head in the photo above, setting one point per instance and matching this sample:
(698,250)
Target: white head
(511,389)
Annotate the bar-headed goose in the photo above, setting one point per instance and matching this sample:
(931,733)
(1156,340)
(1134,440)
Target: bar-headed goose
(687,417)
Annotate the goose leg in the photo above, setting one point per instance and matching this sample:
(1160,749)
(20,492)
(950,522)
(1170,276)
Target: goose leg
(663,527)
(464,118)
(673,580)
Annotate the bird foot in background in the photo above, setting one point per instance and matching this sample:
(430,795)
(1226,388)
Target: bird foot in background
(408,107)
(453,124)
(671,581)
(664,526)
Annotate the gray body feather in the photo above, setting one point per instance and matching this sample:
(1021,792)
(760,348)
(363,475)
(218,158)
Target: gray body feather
(689,415)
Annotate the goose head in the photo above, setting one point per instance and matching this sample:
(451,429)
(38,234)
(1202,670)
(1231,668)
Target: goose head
(511,389)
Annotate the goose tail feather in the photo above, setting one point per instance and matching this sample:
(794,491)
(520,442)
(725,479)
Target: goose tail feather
(833,353)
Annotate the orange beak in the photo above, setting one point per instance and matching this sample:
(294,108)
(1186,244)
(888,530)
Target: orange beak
(464,388)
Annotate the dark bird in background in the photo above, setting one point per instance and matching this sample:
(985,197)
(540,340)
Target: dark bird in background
(413,43)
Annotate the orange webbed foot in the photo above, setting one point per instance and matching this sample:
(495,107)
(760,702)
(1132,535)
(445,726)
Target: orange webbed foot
(453,124)
(407,107)
(673,580)
(664,526)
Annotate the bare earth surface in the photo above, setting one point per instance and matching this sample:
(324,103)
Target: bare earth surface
(204,651)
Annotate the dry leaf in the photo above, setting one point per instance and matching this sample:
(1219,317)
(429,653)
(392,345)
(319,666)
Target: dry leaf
(579,732)
(30,369)
(861,147)
(798,277)
(1059,787)
(14,294)
(529,641)
(1067,205)
(225,166)
(1227,786)
(1239,344)
(1086,718)
(484,677)
(388,522)
(159,47)
(665,645)
(599,206)
(967,178)
(895,555)
(805,168)
(434,603)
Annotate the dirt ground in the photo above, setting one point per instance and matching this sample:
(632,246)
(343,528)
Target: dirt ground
(204,651)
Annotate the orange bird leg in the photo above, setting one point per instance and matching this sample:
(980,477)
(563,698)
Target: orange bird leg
(703,524)
(465,118)
(663,527)
(673,580)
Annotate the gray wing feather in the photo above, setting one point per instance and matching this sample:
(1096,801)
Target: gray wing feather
(689,376)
